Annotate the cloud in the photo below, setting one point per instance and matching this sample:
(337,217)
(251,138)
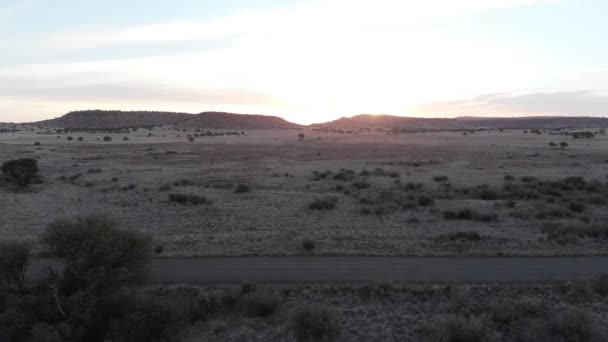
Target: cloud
(319,58)
(580,103)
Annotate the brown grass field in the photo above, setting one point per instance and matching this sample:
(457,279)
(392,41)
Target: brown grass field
(130,181)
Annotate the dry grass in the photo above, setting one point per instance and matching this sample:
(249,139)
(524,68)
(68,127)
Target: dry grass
(380,182)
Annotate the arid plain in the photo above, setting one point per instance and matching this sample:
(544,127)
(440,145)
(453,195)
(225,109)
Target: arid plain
(270,192)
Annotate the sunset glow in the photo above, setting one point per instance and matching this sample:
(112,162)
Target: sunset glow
(305,61)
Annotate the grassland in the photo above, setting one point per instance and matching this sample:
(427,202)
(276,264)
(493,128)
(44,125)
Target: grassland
(486,193)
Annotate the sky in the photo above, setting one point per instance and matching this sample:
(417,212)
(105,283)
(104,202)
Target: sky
(306,61)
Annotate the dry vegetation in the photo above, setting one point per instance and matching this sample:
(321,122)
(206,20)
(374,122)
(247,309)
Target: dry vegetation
(265,191)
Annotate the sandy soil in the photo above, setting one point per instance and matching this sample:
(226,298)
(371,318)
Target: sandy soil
(273,218)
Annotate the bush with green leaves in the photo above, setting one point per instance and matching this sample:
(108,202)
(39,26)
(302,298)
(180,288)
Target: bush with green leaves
(312,323)
(20,172)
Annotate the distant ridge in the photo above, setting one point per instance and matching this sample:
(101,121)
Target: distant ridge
(121,119)
(114,119)
(219,120)
(399,122)
(222,120)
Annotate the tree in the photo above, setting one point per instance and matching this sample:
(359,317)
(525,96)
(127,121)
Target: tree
(563,144)
(97,255)
(14,258)
(20,172)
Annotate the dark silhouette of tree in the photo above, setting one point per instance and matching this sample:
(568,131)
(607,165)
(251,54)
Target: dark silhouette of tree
(20,172)
(97,255)
(14,258)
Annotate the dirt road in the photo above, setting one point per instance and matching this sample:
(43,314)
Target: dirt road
(289,270)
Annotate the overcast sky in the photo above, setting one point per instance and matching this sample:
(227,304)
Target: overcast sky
(307,61)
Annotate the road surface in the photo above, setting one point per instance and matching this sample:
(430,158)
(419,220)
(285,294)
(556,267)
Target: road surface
(321,269)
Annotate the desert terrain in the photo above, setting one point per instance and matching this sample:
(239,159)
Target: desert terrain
(271,192)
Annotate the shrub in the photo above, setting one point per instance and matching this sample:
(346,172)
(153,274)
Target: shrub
(570,231)
(125,138)
(327,203)
(509,178)
(460,329)
(313,323)
(440,178)
(485,217)
(242,188)
(106,138)
(308,245)
(463,214)
(188,199)
(572,325)
(506,312)
(70,138)
(14,259)
(184,182)
(344,175)
(96,253)
(576,207)
(488,195)
(20,172)
(425,201)
(360,185)
(469,236)
(600,285)
(261,303)
(80,138)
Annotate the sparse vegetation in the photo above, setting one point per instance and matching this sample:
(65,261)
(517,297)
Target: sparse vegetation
(315,323)
(241,188)
(440,178)
(327,203)
(186,199)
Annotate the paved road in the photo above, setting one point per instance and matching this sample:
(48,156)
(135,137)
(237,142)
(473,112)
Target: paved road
(289,270)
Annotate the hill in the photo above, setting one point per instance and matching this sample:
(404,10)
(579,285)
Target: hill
(114,119)
(221,120)
(119,119)
(366,121)
(95,119)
